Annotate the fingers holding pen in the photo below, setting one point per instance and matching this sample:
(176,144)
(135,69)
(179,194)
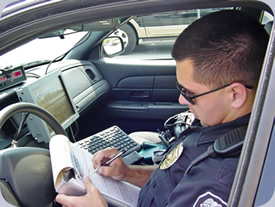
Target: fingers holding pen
(103,156)
(115,166)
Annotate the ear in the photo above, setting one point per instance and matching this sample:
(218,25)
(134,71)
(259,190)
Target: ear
(238,95)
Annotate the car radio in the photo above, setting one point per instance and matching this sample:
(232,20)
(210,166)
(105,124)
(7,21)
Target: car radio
(11,76)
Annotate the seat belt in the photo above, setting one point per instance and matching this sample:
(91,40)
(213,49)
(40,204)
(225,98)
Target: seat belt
(228,145)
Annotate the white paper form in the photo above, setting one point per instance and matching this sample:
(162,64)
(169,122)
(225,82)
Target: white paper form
(124,192)
(63,153)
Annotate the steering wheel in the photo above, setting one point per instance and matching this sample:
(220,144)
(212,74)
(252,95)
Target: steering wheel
(30,108)
(25,172)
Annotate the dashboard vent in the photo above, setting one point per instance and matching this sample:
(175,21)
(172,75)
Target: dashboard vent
(90,74)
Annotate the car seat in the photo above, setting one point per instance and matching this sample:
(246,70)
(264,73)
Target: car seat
(26,177)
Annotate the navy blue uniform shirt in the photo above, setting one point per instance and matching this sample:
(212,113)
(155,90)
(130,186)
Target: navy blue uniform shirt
(207,184)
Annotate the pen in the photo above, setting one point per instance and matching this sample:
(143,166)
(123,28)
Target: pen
(119,154)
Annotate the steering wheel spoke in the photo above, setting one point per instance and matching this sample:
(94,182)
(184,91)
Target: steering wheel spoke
(23,120)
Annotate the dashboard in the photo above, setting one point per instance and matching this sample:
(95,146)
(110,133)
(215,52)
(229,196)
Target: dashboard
(84,83)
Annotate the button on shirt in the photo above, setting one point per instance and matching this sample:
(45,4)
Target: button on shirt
(208,183)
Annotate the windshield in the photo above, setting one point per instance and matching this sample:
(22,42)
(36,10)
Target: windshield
(40,50)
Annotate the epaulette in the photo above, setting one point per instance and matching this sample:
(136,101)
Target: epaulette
(228,145)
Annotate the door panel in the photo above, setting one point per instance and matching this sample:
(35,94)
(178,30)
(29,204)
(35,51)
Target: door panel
(142,97)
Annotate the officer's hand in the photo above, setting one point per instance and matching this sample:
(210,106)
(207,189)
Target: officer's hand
(116,169)
(93,198)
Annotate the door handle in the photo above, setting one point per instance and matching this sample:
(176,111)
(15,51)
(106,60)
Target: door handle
(140,95)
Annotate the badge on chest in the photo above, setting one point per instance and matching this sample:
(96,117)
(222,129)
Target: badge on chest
(172,157)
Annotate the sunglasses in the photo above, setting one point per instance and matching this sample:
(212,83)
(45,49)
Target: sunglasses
(187,94)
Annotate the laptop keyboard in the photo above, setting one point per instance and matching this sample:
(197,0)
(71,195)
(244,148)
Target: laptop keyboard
(110,137)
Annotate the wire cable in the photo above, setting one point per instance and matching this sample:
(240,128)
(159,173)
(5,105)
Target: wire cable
(63,55)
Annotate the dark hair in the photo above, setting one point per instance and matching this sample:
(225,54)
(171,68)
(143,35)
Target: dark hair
(225,47)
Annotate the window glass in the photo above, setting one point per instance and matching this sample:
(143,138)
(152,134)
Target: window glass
(265,194)
(267,17)
(267,21)
(152,36)
(41,50)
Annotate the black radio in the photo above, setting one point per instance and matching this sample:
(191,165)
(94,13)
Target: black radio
(11,76)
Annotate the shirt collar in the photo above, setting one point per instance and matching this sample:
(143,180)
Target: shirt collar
(210,134)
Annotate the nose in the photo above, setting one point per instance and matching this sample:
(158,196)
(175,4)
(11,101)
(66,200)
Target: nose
(183,101)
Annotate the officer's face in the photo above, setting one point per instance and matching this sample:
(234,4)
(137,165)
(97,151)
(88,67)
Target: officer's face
(211,109)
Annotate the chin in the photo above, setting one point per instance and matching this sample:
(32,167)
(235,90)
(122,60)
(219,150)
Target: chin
(204,124)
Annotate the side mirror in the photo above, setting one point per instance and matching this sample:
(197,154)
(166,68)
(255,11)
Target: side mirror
(112,46)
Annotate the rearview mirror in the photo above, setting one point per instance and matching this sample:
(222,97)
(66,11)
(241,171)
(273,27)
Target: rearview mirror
(58,33)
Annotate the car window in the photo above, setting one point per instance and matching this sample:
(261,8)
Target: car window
(267,17)
(265,194)
(40,50)
(267,21)
(152,36)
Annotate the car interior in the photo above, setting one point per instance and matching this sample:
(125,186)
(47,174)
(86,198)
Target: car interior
(93,89)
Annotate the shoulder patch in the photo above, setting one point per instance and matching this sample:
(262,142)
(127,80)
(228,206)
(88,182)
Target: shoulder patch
(208,199)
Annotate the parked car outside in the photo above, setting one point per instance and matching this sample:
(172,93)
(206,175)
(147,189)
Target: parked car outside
(165,26)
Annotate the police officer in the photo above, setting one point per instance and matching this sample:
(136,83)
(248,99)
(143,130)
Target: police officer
(218,58)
